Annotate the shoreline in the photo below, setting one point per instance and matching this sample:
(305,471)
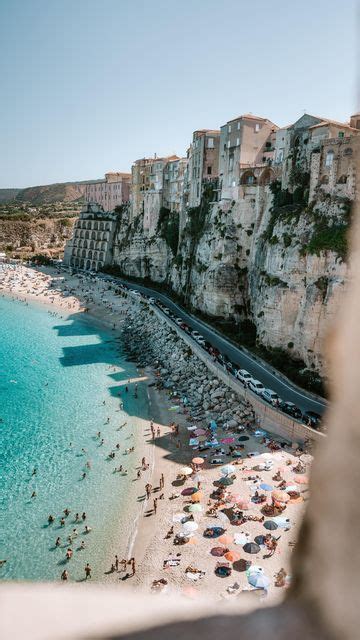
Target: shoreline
(147,540)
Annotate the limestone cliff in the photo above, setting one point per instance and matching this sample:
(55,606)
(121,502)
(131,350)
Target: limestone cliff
(19,237)
(279,266)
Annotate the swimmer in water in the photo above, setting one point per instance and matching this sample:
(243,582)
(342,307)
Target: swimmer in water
(33,495)
(57,542)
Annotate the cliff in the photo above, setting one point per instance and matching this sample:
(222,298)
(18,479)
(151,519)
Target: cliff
(263,267)
(22,237)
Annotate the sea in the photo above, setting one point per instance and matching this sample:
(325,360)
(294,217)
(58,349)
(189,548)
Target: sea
(60,380)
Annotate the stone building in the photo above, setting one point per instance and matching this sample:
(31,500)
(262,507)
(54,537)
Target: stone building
(245,142)
(203,155)
(148,180)
(175,172)
(111,192)
(333,166)
(91,246)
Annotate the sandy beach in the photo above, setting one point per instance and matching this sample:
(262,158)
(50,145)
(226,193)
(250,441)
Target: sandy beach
(167,560)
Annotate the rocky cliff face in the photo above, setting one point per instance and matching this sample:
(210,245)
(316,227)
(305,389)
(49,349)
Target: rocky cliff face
(21,236)
(279,266)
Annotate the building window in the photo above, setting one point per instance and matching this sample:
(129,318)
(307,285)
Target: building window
(237,142)
(329,158)
(210,143)
(209,169)
(341,134)
(229,128)
(257,127)
(228,144)
(238,126)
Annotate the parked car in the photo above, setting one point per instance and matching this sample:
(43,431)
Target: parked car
(256,386)
(291,409)
(135,293)
(201,341)
(166,311)
(195,334)
(244,376)
(311,418)
(151,301)
(179,321)
(270,396)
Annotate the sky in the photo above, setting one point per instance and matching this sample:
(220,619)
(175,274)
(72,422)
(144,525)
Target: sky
(90,86)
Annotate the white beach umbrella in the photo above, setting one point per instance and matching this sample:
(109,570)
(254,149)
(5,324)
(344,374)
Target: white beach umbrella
(190,526)
(227,470)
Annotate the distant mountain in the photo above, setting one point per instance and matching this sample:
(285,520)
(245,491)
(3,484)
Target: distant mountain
(46,194)
(7,195)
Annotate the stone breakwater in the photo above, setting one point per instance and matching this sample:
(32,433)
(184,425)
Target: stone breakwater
(149,341)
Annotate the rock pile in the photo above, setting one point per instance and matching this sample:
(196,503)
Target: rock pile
(149,341)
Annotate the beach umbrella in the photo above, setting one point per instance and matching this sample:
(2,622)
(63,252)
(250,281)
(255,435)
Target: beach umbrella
(186,471)
(198,460)
(241,538)
(232,556)
(254,568)
(199,432)
(226,539)
(227,469)
(223,517)
(237,454)
(251,547)
(270,525)
(189,526)
(213,424)
(218,551)
(188,491)
(240,501)
(282,522)
(227,440)
(196,497)
(259,580)
(243,438)
(266,487)
(292,487)
(280,496)
(195,508)
(226,482)
(302,480)
(202,438)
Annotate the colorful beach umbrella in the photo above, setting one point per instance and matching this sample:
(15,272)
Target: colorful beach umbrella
(232,556)
(218,552)
(280,496)
(198,460)
(195,508)
(226,539)
(226,482)
(190,526)
(251,547)
(240,501)
(259,580)
(227,440)
(266,487)
(270,525)
(188,491)
(197,497)
(186,471)
(302,480)
(227,469)
(213,532)
(199,432)
(243,438)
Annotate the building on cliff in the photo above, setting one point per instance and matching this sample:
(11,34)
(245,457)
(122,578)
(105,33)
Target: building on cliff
(91,246)
(203,155)
(150,183)
(111,192)
(246,141)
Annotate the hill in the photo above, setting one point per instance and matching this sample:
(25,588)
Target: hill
(45,194)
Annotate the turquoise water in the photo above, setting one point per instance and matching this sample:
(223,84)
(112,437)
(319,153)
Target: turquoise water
(55,374)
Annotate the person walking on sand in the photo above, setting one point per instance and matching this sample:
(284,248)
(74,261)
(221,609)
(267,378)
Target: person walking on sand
(123,564)
(116,563)
(155,505)
(64,575)
(133,566)
(158,432)
(162,480)
(87,570)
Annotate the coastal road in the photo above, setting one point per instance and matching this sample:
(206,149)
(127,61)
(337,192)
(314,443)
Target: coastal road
(269,376)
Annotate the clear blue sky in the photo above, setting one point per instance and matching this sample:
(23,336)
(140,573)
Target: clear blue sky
(89,86)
